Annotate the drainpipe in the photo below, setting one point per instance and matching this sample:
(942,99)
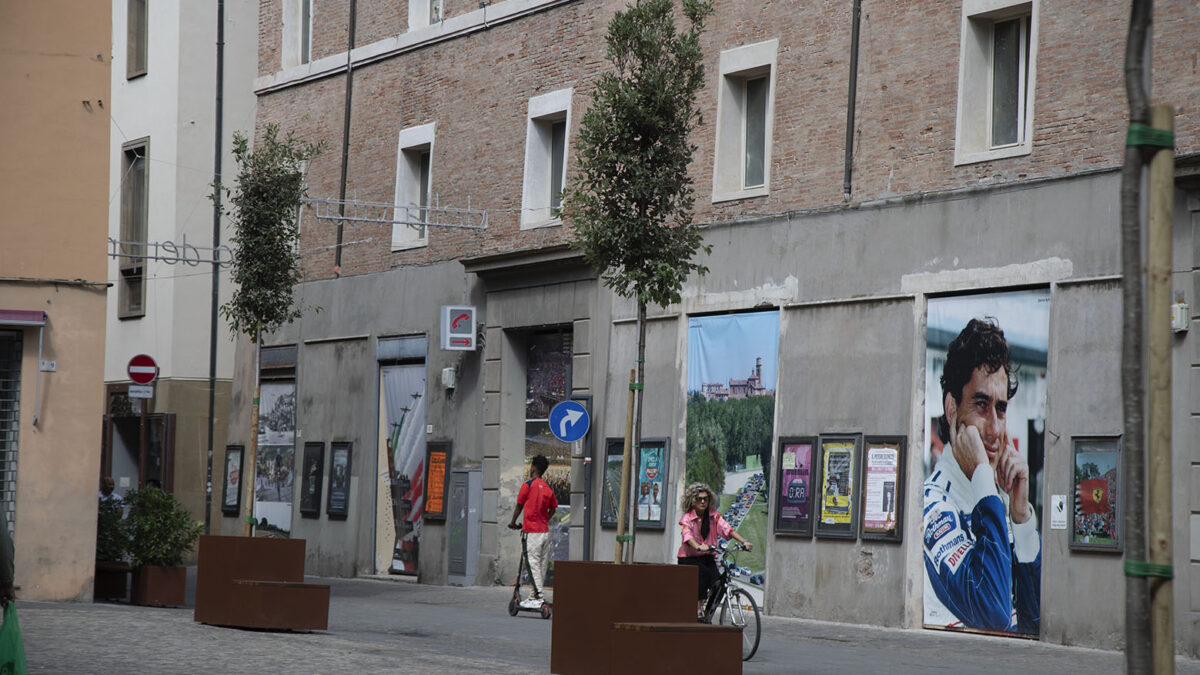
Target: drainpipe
(850,101)
(337,263)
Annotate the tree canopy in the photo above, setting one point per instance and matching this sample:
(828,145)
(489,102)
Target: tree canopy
(631,204)
(266,234)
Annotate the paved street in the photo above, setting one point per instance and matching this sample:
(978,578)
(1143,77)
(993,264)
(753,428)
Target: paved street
(389,627)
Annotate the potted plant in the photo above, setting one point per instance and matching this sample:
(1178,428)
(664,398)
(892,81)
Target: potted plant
(160,533)
(112,545)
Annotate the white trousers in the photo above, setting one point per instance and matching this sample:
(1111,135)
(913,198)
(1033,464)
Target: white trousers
(537,544)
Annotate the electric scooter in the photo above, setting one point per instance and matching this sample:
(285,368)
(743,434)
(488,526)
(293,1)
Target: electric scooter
(514,604)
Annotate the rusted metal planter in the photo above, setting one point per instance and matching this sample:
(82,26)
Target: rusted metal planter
(159,586)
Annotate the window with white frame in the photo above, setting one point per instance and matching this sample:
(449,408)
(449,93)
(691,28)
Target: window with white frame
(996,76)
(413,181)
(423,13)
(546,140)
(745,112)
(297,32)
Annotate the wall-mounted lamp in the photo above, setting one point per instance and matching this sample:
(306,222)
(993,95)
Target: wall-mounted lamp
(449,377)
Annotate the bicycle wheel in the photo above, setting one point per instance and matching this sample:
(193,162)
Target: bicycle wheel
(742,611)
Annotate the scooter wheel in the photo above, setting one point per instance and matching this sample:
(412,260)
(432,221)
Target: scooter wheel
(513,607)
(546,611)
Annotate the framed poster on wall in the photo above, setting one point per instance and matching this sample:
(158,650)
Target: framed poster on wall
(231,495)
(882,481)
(837,490)
(794,482)
(312,474)
(340,457)
(610,488)
(437,477)
(1097,515)
(651,480)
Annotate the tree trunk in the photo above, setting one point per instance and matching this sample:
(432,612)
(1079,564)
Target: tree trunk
(1137,635)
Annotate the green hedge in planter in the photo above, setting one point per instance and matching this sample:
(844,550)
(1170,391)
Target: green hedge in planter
(112,540)
(159,528)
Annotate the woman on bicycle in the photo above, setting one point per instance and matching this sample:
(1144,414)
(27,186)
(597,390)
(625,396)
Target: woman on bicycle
(702,524)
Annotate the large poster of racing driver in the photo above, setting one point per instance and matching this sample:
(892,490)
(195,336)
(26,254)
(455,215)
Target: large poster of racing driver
(985,402)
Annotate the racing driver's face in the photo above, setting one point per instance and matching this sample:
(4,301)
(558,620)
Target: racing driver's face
(984,405)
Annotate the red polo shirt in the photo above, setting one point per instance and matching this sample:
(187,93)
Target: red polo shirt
(539,501)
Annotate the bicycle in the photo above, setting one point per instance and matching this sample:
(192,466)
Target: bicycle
(736,605)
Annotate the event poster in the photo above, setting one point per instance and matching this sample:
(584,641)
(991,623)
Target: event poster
(312,471)
(610,492)
(969,399)
(795,484)
(650,477)
(1097,516)
(881,487)
(837,483)
(232,500)
(275,460)
(339,479)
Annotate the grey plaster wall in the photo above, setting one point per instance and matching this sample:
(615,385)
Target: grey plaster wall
(1083,399)
(663,410)
(845,368)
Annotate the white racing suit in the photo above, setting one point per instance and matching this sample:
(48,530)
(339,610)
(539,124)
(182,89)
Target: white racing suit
(981,567)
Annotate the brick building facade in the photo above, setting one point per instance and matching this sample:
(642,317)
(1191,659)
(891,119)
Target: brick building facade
(458,104)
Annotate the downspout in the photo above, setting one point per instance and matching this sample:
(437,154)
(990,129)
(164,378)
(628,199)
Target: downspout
(850,102)
(337,263)
(216,266)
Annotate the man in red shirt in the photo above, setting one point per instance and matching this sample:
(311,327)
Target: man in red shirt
(537,499)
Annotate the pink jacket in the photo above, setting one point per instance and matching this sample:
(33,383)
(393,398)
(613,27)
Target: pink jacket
(690,522)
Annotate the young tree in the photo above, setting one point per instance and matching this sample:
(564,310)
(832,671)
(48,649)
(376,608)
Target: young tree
(266,238)
(631,203)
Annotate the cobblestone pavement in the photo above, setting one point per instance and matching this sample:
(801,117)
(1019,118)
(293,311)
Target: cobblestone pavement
(386,627)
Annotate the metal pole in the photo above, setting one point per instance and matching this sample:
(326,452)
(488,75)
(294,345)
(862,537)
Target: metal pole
(1158,362)
(619,553)
(216,267)
(639,394)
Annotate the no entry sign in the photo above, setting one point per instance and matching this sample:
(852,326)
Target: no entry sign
(142,369)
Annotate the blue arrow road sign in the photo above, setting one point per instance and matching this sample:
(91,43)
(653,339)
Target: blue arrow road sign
(569,421)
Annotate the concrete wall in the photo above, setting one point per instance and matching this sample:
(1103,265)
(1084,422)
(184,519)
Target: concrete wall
(338,400)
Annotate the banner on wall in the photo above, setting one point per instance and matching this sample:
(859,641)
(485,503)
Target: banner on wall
(275,461)
(404,408)
(982,538)
(732,366)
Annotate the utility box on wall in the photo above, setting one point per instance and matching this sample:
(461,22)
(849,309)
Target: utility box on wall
(466,493)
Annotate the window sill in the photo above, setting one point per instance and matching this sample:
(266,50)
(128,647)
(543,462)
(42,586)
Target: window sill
(408,246)
(740,194)
(538,224)
(962,157)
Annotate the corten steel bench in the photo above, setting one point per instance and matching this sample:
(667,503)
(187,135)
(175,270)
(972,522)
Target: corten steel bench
(249,582)
(601,609)
(656,647)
